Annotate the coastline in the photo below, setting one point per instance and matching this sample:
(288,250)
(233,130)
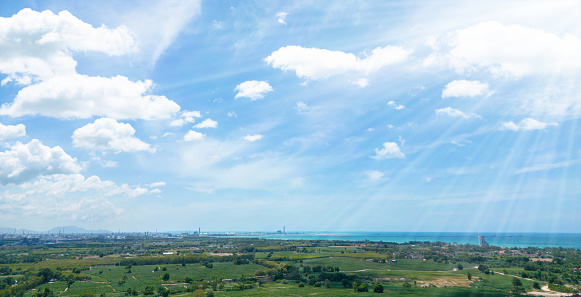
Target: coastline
(520,240)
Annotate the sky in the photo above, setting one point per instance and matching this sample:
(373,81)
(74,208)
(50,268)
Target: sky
(434,116)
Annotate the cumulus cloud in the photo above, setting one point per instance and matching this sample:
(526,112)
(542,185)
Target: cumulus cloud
(390,150)
(185,117)
(11,131)
(512,50)
(456,113)
(252,138)
(68,196)
(527,125)
(207,123)
(39,45)
(253,89)
(281,17)
(465,88)
(317,64)
(81,96)
(193,136)
(109,135)
(394,105)
(36,51)
(23,162)
(62,183)
(232,114)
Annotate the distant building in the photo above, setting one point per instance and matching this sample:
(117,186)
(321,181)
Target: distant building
(481,241)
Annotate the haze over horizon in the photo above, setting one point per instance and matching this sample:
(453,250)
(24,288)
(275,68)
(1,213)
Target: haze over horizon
(457,116)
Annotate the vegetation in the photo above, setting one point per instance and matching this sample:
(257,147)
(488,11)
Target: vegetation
(219,266)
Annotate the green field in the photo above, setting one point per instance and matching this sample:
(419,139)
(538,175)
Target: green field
(258,267)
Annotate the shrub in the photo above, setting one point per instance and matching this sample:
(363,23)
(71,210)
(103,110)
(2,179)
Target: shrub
(362,288)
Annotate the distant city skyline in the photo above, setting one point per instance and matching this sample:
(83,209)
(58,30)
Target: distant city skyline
(458,116)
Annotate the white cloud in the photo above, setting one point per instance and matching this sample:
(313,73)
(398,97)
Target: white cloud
(316,64)
(185,117)
(11,131)
(107,163)
(157,184)
(302,107)
(362,83)
(165,20)
(461,142)
(24,162)
(39,45)
(232,114)
(37,48)
(253,89)
(81,96)
(375,176)
(394,105)
(389,150)
(456,113)
(527,125)
(213,165)
(217,25)
(281,17)
(513,50)
(68,197)
(547,166)
(252,138)
(58,184)
(108,134)
(465,88)
(207,123)
(193,136)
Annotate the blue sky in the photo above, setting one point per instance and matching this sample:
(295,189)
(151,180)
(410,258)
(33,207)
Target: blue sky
(247,116)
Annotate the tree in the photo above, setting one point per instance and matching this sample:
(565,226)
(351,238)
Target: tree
(327,283)
(378,288)
(148,290)
(131,291)
(516,282)
(460,267)
(165,276)
(164,292)
(536,286)
(362,288)
(469,275)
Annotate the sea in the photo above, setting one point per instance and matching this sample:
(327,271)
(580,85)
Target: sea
(521,240)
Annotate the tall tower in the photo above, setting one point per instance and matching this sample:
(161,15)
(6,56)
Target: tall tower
(482,241)
(283,229)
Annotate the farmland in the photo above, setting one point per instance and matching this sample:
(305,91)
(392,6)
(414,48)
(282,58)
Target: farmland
(169,265)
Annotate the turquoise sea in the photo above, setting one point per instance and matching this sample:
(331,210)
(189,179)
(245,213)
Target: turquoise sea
(565,240)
